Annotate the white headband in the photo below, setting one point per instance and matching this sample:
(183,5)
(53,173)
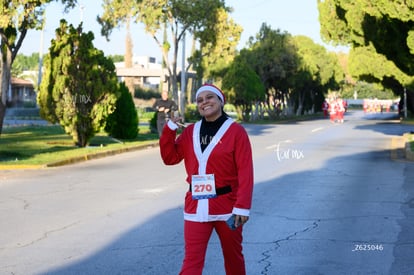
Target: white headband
(211,88)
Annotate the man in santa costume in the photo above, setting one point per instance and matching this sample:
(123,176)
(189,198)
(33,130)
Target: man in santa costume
(218,161)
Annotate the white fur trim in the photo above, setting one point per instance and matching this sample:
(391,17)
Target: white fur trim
(172,125)
(211,89)
(196,218)
(241,212)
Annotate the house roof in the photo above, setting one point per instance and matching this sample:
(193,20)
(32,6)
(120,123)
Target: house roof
(21,82)
(140,72)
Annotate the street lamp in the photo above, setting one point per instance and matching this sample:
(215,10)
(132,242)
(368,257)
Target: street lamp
(181,97)
(81,7)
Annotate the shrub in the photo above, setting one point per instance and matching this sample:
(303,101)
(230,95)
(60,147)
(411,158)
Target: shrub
(146,94)
(123,122)
(153,123)
(191,113)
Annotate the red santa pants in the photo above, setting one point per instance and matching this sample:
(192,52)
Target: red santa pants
(197,235)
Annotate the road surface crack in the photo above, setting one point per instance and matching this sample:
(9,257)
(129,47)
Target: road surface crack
(26,204)
(266,254)
(47,234)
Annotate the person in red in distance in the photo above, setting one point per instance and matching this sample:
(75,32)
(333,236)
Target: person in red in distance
(218,161)
(340,109)
(333,108)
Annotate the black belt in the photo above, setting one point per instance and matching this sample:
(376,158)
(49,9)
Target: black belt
(219,191)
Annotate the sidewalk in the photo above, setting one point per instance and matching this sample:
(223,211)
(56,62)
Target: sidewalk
(9,122)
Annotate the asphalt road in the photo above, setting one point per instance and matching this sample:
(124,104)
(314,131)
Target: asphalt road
(328,199)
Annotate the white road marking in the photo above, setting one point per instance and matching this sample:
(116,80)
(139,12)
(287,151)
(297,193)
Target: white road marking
(317,129)
(276,145)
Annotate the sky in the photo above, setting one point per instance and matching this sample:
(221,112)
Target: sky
(297,17)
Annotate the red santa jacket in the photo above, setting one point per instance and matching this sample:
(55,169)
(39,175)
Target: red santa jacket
(228,157)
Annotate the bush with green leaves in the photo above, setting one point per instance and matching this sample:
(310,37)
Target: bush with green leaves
(191,113)
(146,94)
(123,122)
(153,123)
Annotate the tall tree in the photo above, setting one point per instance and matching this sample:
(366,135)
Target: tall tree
(17,17)
(117,13)
(318,71)
(379,29)
(179,17)
(217,56)
(25,63)
(79,87)
(243,87)
(273,55)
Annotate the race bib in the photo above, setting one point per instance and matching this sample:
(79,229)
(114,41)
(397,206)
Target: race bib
(203,187)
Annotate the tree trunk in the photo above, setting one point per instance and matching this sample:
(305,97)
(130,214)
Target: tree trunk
(4,83)
(255,115)
(2,114)
(410,101)
(129,81)
(301,100)
(290,103)
(174,76)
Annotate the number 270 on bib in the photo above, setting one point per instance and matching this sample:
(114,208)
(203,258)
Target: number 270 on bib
(203,186)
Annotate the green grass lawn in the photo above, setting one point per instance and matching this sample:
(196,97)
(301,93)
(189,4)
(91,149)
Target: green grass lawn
(41,145)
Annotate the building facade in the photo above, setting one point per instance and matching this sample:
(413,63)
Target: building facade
(21,93)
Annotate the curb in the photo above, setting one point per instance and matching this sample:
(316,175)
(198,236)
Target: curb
(401,149)
(409,155)
(81,158)
(101,155)
(397,148)
(20,166)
